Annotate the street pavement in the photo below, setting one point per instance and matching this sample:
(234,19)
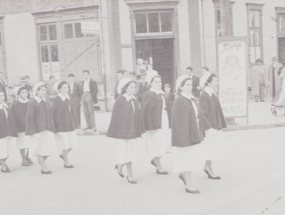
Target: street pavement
(252,170)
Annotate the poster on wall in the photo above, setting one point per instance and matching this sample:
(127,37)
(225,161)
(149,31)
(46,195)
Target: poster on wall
(232,67)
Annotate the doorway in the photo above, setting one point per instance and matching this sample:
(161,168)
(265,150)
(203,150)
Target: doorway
(160,54)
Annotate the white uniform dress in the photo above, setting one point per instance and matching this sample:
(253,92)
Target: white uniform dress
(190,158)
(158,141)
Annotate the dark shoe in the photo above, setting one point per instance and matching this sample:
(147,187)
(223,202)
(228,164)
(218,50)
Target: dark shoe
(192,191)
(212,177)
(70,166)
(182,178)
(161,172)
(30,161)
(132,181)
(120,170)
(152,163)
(48,172)
(5,170)
(61,156)
(26,163)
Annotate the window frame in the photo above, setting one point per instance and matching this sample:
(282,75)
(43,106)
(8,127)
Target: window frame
(255,7)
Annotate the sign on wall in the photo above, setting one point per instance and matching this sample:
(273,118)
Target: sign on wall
(232,65)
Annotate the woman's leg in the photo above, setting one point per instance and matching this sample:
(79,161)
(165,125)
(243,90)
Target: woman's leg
(209,170)
(130,176)
(65,156)
(5,167)
(42,162)
(189,183)
(157,163)
(25,161)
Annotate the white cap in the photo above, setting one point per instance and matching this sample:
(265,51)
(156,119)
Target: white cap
(150,74)
(37,86)
(180,79)
(122,83)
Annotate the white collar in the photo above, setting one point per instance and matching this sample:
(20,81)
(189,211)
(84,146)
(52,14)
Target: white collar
(23,101)
(128,97)
(209,90)
(3,106)
(187,96)
(38,99)
(158,92)
(63,97)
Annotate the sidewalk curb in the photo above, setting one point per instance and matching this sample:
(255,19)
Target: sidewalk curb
(255,127)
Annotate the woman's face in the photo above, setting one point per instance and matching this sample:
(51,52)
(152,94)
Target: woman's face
(64,89)
(187,87)
(214,83)
(23,94)
(156,83)
(42,92)
(131,90)
(2,97)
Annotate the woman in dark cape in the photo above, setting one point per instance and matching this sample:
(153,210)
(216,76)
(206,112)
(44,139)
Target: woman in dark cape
(212,115)
(126,127)
(186,135)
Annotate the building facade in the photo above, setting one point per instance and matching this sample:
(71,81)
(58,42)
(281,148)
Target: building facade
(40,38)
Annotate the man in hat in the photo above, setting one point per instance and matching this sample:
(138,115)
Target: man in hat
(3,86)
(273,76)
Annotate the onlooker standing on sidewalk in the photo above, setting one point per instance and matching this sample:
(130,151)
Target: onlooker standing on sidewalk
(257,80)
(3,86)
(89,98)
(195,81)
(75,93)
(120,74)
(273,77)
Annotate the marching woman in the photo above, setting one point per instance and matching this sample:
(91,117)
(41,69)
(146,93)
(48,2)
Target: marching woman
(186,135)
(126,127)
(40,125)
(7,131)
(65,123)
(213,117)
(19,110)
(156,122)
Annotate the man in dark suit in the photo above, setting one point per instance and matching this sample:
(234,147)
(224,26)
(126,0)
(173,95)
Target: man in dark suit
(3,86)
(89,98)
(195,81)
(75,94)
(143,87)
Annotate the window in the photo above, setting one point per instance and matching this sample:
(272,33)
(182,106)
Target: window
(44,51)
(153,22)
(68,31)
(52,32)
(78,32)
(54,53)
(254,18)
(43,33)
(281,23)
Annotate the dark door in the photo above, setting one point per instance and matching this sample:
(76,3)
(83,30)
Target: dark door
(281,49)
(160,53)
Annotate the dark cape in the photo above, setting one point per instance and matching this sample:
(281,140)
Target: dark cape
(39,117)
(143,87)
(185,128)
(64,120)
(152,105)
(19,111)
(7,124)
(126,123)
(211,112)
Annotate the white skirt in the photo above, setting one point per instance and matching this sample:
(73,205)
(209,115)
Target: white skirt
(213,146)
(23,141)
(158,141)
(188,159)
(5,146)
(66,140)
(127,150)
(44,143)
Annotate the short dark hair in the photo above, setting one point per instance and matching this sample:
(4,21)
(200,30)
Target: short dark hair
(190,68)
(51,77)
(210,79)
(71,75)
(258,61)
(182,84)
(124,89)
(60,85)
(206,68)
(86,71)
(21,89)
(122,71)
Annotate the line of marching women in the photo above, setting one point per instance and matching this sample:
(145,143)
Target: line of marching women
(40,129)
(194,131)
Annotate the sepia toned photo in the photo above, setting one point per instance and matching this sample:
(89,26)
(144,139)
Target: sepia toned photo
(142,107)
